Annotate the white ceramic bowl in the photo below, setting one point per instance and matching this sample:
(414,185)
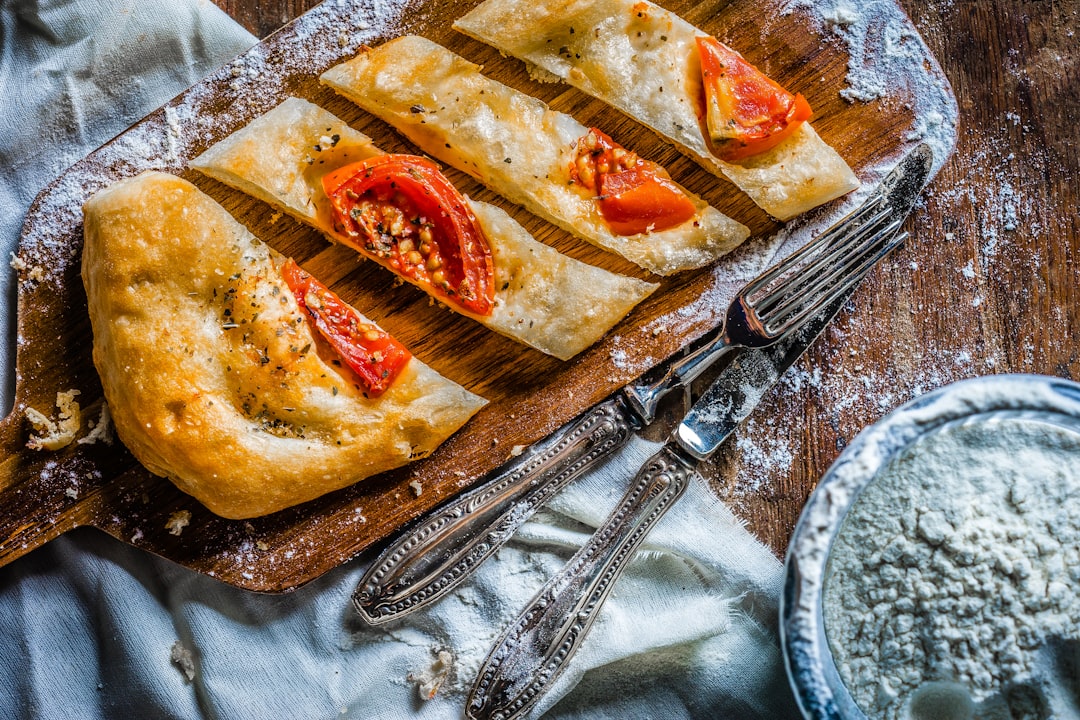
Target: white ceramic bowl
(812,671)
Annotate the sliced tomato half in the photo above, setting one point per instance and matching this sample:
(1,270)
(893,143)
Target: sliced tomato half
(368,350)
(637,201)
(746,112)
(634,195)
(402,211)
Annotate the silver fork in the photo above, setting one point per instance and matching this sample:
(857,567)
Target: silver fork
(784,297)
(444,548)
(789,305)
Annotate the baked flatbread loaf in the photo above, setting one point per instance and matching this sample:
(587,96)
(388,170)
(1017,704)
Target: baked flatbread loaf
(643,60)
(213,373)
(517,146)
(543,298)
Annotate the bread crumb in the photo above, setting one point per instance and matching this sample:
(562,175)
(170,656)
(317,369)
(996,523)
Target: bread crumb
(100,430)
(431,679)
(417,488)
(72,492)
(182,658)
(540,74)
(36,273)
(517,450)
(178,521)
(55,435)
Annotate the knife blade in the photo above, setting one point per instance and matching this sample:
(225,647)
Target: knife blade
(441,551)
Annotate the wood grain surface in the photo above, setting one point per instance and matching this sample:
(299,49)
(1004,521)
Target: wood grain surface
(985,285)
(1014,66)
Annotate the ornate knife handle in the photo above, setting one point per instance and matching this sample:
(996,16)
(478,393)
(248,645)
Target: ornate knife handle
(538,645)
(436,556)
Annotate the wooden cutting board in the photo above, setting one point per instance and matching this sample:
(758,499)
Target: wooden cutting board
(43,493)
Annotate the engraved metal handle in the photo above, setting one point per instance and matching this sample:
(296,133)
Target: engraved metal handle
(538,645)
(441,552)
(433,558)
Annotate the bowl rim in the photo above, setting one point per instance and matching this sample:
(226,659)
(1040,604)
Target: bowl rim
(813,676)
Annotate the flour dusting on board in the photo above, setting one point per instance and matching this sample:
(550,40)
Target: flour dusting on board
(886,59)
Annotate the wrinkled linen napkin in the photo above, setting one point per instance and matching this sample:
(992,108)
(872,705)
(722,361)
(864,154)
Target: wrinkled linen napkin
(90,627)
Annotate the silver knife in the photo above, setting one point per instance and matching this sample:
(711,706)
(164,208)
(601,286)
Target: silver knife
(442,550)
(537,646)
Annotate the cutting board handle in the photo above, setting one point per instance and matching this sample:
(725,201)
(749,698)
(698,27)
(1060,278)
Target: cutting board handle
(43,493)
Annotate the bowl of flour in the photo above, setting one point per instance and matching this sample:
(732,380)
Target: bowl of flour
(935,571)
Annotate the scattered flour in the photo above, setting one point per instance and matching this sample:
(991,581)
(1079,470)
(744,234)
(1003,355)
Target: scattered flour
(953,588)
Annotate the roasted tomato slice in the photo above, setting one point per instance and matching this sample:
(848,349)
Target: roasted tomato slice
(402,211)
(369,351)
(746,112)
(635,195)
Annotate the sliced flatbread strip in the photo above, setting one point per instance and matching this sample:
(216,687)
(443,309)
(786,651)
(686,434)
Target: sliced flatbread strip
(214,375)
(643,60)
(543,298)
(514,144)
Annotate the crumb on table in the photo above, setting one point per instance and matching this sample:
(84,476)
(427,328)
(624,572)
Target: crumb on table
(178,521)
(55,434)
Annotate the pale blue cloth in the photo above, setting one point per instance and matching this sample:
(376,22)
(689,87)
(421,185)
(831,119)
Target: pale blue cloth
(89,626)
(88,623)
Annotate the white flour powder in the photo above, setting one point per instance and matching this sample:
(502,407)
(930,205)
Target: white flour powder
(953,587)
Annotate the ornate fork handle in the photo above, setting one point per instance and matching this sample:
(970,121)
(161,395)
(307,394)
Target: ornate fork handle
(538,645)
(436,556)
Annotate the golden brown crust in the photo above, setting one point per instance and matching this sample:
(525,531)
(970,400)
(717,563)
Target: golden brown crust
(213,374)
(624,52)
(514,144)
(539,293)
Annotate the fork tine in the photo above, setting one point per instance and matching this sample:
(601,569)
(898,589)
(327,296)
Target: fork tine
(837,282)
(794,278)
(800,282)
(866,214)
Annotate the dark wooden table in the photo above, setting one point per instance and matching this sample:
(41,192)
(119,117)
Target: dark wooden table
(987,284)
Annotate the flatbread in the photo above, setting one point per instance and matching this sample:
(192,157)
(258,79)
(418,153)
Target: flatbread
(543,298)
(514,144)
(213,374)
(643,60)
